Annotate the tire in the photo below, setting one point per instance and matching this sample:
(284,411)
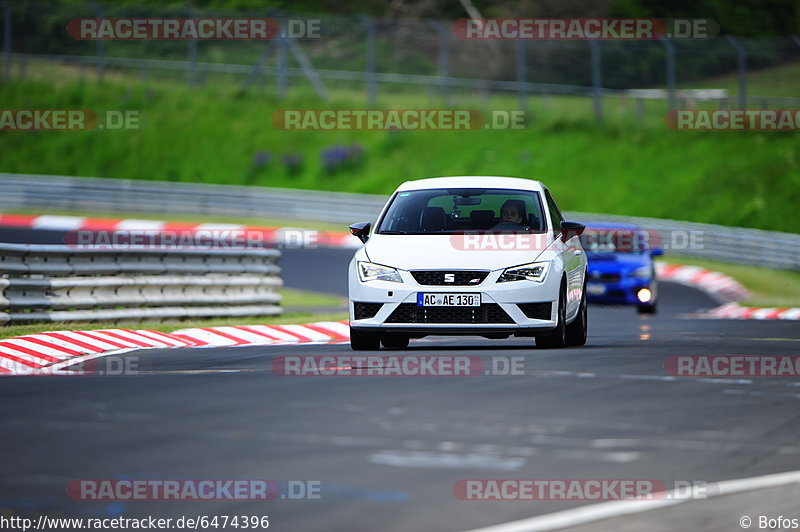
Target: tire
(394,342)
(576,331)
(556,338)
(647,309)
(363,342)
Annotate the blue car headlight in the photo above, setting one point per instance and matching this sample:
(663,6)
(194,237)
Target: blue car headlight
(642,272)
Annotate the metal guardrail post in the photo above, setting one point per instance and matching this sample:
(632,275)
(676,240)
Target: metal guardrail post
(741,66)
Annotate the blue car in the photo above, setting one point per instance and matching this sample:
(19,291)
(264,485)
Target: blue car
(620,265)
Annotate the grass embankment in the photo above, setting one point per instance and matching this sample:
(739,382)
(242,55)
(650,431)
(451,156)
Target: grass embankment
(219,134)
(769,288)
(294,299)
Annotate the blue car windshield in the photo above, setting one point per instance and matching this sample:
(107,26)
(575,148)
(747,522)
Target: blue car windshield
(601,241)
(448,211)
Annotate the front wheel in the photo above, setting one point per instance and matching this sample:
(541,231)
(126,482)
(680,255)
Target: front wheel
(363,342)
(557,337)
(576,331)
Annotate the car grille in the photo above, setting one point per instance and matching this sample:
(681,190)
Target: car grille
(536,311)
(486,313)
(606,277)
(460,278)
(365,311)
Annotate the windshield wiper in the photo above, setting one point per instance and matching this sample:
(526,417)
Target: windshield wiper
(392,233)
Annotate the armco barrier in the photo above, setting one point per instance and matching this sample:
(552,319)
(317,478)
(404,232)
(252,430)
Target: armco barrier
(85,195)
(62,283)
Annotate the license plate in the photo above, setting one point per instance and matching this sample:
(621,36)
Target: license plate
(596,289)
(448,300)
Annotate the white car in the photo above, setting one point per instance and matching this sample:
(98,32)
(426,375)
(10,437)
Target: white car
(482,256)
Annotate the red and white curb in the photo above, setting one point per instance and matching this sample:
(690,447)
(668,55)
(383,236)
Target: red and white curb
(53,352)
(274,235)
(733,311)
(719,285)
(725,288)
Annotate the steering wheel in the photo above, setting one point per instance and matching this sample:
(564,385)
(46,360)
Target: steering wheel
(510,226)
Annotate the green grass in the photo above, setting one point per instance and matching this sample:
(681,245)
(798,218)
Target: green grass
(772,81)
(12,331)
(306,298)
(770,288)
(211,134)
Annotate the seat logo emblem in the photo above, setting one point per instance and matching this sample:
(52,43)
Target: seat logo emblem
(449,277)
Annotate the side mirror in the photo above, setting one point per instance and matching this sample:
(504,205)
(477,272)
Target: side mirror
(361,230)
(656,252)
(570,229)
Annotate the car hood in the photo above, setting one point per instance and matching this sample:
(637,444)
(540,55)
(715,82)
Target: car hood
(616,262)
(439,252)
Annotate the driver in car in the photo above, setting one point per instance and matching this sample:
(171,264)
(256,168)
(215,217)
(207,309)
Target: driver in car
(512,216)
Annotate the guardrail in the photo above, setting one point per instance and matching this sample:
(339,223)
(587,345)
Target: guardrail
(64,283)
(57,193)
(83,194)
(738,245)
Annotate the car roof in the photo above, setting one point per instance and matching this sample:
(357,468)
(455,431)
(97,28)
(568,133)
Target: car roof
(473,181)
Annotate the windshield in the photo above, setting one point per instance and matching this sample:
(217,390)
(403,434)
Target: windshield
(609,240)
(447,211)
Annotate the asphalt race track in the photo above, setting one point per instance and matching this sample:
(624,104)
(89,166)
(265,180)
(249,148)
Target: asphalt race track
(388,450)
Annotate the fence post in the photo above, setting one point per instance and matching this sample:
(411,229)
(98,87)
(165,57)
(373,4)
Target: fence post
(741,65)
(670,49)
(369,61)
(444,58)
(520,49)
(597,80)
(100,47)
(6,41)
(192,53)
(283,74)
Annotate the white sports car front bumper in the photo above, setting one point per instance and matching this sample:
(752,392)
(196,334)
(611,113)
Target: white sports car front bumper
(521,308)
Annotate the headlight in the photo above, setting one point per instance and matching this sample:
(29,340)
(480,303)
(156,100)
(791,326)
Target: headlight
(642,272)
(368,271)
(535,271)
